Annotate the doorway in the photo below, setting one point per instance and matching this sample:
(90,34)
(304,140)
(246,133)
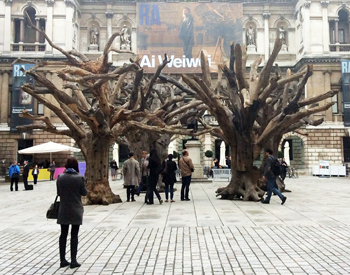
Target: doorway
(23,144)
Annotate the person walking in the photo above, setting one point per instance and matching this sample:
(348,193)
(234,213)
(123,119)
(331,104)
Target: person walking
(35,174)
(155,168)
(132,176)
(186,168)
(52,170)
(270,177)
(114,168)
(169,177)
(70,188)
(144,173)
(14,172)
(25,174)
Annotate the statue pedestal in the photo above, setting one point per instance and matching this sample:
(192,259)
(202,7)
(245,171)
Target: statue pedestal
(194,150)
(251,48)
(93,48)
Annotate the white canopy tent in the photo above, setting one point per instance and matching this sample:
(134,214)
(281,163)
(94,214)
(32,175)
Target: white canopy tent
(49,147)
(222,160)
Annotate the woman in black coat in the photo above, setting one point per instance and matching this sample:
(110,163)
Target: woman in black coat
(70,188)
(169,178)
(155,168)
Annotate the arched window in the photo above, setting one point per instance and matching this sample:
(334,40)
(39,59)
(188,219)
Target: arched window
(343,28)
(339,32)
(26,38)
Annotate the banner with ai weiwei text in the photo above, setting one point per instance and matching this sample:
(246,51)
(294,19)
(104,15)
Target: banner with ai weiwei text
(182,30)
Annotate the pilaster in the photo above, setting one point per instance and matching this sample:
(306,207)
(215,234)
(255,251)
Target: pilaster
(266,17)
(325,26)
(4,97)
(7,27)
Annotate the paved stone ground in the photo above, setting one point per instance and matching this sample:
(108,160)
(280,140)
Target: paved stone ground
(308,235)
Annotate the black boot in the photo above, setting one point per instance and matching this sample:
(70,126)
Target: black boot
(73,253)
(62,246)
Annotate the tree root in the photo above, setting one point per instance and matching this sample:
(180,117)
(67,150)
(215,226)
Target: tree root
(100,193)
(243,186)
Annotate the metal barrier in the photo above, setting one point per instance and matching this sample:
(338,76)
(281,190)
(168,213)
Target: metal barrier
(222,174)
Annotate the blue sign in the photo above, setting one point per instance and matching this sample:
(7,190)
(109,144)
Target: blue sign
(20,100)
(345,76)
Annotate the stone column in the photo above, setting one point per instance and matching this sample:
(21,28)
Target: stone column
(267,35)
(49,24)
(37,34)
(4,97)
(13,32)
(133,40)
(336,34)
(109,16)
(21,33)
(325,26)
(69,24)
(194,150)
(306,27)
(7,27)
(207,147)
(327,87)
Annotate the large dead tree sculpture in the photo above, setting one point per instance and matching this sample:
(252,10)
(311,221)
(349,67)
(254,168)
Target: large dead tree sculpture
(144,135)
(254,114)
(114,109)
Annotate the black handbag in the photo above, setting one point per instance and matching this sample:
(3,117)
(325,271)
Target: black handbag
(52,212)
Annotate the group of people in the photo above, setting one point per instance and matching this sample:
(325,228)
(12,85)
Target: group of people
(71,187)
(14,172)
(148,172)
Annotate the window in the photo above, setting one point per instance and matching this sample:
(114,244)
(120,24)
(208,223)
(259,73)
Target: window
(40,109)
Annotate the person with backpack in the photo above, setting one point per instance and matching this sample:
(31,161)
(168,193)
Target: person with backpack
(14,175)
(272,169)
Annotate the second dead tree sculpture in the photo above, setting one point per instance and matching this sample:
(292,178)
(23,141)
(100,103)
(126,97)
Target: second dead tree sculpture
(97,123)
(253,115)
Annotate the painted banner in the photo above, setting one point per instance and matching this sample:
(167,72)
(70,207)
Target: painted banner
(19,99)
(345,72)
(182,30)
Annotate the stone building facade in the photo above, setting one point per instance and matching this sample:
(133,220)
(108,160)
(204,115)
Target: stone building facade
(313,32)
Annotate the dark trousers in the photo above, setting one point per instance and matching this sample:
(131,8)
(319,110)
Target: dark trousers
(25,181)
(35,177)
(152,187)
(187,48)
(130,191)
(14,180)
(169,187)
(52,175)
(73,242)
(142,184)
(185,188)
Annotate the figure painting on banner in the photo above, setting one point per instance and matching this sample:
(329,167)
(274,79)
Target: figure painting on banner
(201,26)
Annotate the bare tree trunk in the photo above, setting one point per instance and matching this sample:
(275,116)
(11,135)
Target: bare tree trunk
(96,153)
(145,141)
(243,185)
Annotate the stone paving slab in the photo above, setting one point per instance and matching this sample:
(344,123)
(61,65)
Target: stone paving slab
(308,235)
